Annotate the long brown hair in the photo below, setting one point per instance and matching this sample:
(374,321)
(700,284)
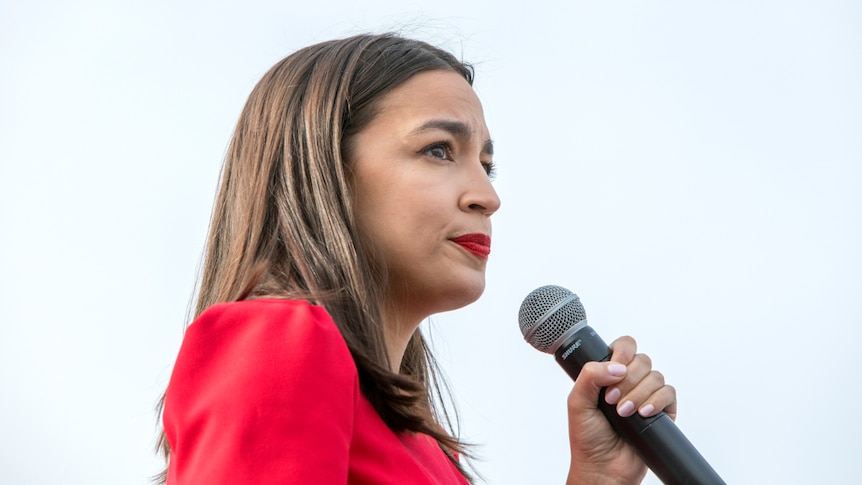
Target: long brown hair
(283,223)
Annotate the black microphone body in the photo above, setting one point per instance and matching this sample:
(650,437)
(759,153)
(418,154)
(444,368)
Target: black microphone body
(657,440)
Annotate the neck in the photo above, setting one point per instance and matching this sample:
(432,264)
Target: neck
(399,328)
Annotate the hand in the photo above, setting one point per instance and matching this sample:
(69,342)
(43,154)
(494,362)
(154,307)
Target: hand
(599,455)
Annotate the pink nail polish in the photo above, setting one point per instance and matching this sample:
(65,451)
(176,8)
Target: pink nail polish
(612,396)
(616,369)
(646,411)
(626,409)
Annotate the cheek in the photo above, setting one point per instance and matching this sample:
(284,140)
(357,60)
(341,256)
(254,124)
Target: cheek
(405,215)
(407,237)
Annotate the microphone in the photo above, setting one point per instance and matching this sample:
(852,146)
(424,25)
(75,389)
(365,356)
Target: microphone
(553,321)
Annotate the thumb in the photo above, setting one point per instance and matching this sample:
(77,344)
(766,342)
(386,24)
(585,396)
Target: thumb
(592,378)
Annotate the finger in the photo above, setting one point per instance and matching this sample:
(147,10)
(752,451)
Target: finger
(638,368)
(664,399)
(639,397)
(623,350)
(592,378)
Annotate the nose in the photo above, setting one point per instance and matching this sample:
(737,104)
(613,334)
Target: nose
(480,195)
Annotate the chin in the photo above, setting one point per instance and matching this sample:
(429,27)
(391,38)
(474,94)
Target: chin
(438,295)
(465,295)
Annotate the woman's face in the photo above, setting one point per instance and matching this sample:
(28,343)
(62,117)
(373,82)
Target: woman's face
(423,194)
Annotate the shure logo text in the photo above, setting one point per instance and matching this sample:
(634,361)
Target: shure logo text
(571,349)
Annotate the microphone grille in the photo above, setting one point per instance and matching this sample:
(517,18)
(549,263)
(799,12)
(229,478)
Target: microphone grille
(541,329)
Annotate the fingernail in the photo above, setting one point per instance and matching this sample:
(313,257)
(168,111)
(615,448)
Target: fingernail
(626,409)
(646,411)
(612,396)
(617,370)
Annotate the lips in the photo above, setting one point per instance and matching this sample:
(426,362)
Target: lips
(478,244)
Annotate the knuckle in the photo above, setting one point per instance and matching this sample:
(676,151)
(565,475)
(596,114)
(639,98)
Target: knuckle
(624,342)
(589,369)
(671,390)
(645,359)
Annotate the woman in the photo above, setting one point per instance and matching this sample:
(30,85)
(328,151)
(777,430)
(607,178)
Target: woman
(355,202)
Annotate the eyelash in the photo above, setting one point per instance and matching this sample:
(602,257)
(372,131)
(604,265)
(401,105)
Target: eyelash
(490,167)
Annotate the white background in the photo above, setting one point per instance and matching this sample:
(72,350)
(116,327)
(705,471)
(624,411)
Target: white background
(690,169)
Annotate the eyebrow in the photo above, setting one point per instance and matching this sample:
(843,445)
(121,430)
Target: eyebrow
(456,128)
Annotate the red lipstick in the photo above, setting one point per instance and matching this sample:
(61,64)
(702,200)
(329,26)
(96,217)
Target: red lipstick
(478,244)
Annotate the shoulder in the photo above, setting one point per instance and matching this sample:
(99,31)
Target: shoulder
(262,345)
(256,387)
(293,327)
(268,315)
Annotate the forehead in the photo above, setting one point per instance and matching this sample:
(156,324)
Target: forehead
(439,94)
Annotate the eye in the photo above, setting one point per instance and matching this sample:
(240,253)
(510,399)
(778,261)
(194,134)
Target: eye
(440,149)
(490,169)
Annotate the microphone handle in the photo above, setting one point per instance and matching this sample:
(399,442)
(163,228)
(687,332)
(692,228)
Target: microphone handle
(657,439)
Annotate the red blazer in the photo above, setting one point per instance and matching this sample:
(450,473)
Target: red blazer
(266,392)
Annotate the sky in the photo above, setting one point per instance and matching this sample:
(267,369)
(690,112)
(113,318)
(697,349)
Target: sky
(692,170)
